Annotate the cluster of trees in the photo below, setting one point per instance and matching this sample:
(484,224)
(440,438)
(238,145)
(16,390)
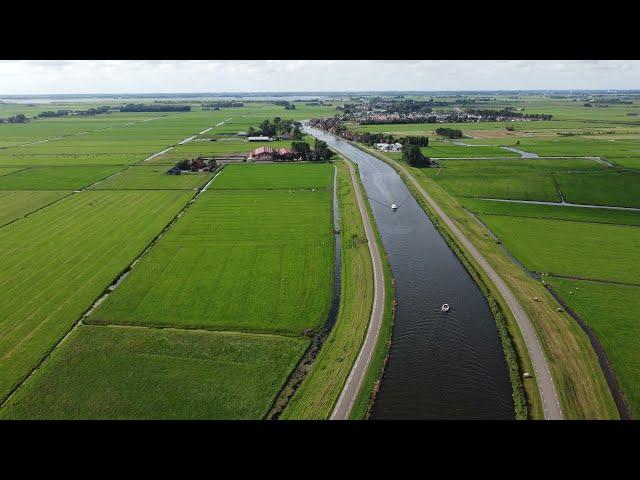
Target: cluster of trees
(141,107)
(416,140)
(197,164)
(278,127)
(508,112)
(371,138)
(59,113)
(413,156)
(449,132)
(320,152)
(222,104)
(19,118)
(94,111)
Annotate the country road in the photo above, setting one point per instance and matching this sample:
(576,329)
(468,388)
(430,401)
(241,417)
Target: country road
(353,385)
(546,387)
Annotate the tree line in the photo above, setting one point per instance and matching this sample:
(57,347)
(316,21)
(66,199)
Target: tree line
(141,107)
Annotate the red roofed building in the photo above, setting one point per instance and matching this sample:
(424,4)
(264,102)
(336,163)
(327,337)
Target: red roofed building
(269,153)
(263,153)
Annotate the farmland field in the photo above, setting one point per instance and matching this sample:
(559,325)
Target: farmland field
(154,178)
(55,178)
(16,204)
(59,260)
(104,372)
(555,212)
(256,261)
(612,312)
(276,176)
(571,248)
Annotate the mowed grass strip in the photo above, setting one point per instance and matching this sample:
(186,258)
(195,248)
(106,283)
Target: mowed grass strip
(612,313)
(258,261)
(56,178)
(153,178)
(56,262)
(276,176)
(16,204)
(318,393)
(587,250)
(106,372)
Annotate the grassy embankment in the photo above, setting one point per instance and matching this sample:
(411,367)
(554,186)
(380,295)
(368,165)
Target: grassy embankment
(316,397)
(580,383)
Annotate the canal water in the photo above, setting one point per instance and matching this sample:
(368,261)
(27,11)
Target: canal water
(441,366)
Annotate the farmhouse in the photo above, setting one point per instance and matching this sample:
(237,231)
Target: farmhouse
(259,139)
(389,147)
(269,154)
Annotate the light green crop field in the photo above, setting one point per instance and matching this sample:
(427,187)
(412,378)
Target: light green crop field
(8,170)
(56,178)
(616,188)
(53,159)
(587,250)
(56,262)
(445,150)
(106,372)
(14,205)
(152,178)
(518,187)
(276,176)
(612,313)
(555,212)
(256,261)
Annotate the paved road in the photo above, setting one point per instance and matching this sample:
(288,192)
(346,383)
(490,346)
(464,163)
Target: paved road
(551,404)
(352,387)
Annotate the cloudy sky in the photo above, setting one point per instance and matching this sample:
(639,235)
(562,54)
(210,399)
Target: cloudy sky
(140,76)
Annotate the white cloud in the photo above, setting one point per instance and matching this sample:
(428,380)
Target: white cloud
(159,76)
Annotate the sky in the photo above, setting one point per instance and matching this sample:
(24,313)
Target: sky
(24,77)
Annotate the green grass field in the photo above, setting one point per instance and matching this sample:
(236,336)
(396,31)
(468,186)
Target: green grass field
(56,262)
(587,250)
(103,372)
(276,176)
(153,177)
(55,178)
(612,312)
(239,260)
(618,188)
(245,259)
(19,203)
(554,212)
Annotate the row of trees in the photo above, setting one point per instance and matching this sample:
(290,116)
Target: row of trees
(449,132)
(19,118)
(416,140)
(59,113)
(94,111)
(141,107)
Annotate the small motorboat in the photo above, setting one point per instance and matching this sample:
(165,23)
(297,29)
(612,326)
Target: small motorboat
(394,207)
(445,307)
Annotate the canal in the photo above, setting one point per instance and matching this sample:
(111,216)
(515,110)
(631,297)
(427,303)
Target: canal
(441,365)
